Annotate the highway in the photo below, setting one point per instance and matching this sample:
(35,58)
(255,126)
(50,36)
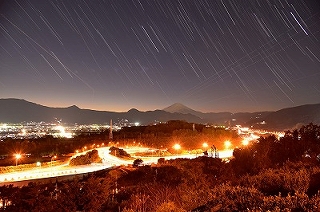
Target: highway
(108,161)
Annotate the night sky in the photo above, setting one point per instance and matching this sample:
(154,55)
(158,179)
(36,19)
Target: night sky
(113,55)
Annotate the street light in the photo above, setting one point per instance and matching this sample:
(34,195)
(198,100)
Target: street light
(38,164)
(205,148)
(227,144)
(54,157)
(245,142)
(177,147)
(18,156)
(205,145)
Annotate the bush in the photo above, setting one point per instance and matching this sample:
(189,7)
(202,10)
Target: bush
(298,202)
(161,161)
(137,162)
(169,206)
(238,198)
(115,151)
(275,181)
(88,158)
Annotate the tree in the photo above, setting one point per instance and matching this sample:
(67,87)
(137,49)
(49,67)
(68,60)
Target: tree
(243,161)
(161,161)
(137,162)
(7,193)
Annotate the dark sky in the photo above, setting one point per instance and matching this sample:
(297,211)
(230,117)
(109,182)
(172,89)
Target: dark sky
(113,55)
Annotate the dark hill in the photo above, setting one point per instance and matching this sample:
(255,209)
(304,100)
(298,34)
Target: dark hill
(225,118)
(283,119)
(17,111)
(291,118)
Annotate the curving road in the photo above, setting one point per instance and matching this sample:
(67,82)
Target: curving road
(108,161)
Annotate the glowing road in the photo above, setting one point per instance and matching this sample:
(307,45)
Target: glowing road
(108,161)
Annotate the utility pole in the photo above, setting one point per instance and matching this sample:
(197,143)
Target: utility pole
(110,131)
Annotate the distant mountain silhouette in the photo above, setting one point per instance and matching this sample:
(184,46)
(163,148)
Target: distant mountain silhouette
(225,118)
(180,108)
(284,119)
(18,110)
(291,118)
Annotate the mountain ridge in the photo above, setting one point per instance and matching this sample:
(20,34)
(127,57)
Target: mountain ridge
(19,110)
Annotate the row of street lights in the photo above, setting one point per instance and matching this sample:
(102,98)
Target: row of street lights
(18,156)
(227,145)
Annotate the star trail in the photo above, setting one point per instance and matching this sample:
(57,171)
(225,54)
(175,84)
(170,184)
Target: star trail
(211,55)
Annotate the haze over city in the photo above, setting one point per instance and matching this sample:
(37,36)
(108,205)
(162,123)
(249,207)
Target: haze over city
(116,55)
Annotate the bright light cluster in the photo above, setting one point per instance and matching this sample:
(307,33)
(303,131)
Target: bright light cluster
(177,146)
(62,132)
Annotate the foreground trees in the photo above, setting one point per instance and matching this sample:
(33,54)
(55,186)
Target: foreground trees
(270,152)
(90,195)
(201,184)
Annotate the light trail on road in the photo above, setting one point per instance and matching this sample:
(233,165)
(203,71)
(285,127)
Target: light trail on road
(108,161)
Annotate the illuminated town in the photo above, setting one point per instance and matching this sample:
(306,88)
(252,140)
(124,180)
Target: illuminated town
(38,130)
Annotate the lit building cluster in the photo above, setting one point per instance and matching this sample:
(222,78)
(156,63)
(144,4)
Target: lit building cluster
(40,129)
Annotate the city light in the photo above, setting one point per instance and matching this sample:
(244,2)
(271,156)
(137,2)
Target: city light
(177,146)
(18,156)
(52,158)
(245,142)
(62,132)
(23,132)
(205,145)
(227,144)
(41,129)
